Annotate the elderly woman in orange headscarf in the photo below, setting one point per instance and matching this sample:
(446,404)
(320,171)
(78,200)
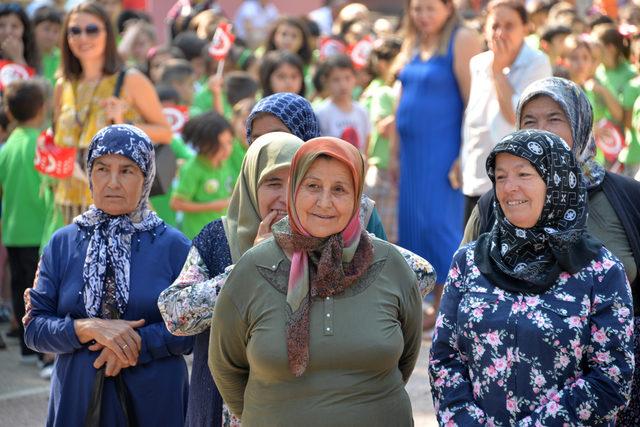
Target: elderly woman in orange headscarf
(321,321)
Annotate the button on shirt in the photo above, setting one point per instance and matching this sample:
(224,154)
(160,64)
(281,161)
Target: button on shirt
(484,124)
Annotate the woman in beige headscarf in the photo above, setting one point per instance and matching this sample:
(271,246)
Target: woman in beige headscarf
(258,200)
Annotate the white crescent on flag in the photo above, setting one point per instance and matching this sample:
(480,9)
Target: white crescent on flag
(175,117)
(361,51)
(12,72)
(221,43)
(608,139)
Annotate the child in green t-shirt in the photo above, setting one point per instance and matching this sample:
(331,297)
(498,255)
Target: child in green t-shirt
(206,181)
(379,100)
(24,209)
(47,26)
(169,97)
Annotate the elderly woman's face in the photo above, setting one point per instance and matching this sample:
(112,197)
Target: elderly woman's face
(325,198)
(117,184)
(272,195)
(544,113)
(266,123)
(520,190)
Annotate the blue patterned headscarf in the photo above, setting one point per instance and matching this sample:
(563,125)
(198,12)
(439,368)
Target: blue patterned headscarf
(293,110)
(109,250)
(577,108)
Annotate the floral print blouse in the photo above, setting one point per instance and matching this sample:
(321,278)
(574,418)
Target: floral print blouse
(187,305)
(564,357)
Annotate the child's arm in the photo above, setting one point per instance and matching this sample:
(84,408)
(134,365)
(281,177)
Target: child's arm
(179,204)
(215,86)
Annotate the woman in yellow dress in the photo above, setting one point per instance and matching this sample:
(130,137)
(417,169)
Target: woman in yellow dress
(85,101)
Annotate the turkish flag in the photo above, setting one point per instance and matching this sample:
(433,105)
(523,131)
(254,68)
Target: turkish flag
(222,40)
(10,71)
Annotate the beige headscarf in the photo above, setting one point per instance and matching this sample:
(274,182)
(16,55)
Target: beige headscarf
(265,155)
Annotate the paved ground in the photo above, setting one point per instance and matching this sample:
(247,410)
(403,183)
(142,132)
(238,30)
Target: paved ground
(23,395)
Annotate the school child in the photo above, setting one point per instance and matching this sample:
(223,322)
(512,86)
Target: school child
(24,209)
(205,181)
(379,100)
(340,115)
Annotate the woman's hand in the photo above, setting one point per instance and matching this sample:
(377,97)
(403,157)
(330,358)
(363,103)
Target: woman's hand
(114,109)
(502,54)
(117,335)
(455,175)
(264,229)
(13,49)
(113,362)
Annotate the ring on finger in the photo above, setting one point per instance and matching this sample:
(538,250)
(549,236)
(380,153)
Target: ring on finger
(124,346)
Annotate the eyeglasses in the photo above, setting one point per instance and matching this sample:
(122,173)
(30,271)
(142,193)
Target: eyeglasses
(91,30)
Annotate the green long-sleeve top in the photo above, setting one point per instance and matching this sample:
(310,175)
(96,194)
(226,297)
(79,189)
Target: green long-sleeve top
(363,345)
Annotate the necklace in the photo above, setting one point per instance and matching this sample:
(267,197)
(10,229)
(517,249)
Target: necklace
(82,122)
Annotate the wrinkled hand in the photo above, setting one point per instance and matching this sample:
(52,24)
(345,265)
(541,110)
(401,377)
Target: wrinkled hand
(264,229)
(27,307)
(117,335)
(13,48)
(455,175)
(114,109)
(113,362)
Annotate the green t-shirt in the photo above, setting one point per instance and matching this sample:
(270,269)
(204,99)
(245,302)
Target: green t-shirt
(630,155)
(237,155)
(50,64)
(23,207)
(379,101)
(200,182)
(618,81)
(621,81)
(162,203)
(203,102)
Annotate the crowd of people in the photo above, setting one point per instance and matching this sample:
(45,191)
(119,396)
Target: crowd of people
(298,201)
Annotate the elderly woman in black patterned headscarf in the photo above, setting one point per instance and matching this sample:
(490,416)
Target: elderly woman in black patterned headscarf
(560,106)
(94,299)
(535,325)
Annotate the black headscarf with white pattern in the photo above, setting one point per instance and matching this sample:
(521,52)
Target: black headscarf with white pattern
(109,250)
(530,260)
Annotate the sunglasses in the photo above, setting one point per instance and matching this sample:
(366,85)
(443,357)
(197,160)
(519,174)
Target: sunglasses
(91,30)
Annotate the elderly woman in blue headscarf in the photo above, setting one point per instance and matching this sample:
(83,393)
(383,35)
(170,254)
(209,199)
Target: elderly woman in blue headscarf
(94,299)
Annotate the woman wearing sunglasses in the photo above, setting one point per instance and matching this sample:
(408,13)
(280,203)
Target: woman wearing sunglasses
(87,99)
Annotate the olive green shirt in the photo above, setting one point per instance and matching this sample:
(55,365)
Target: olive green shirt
(363,345)
(603,223)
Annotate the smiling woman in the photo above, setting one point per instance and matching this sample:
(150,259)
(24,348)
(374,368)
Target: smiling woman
(95,91)
(520,190)
(318,310)
(326,198)
(535,325)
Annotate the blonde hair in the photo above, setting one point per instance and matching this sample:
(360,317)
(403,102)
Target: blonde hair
(409,34)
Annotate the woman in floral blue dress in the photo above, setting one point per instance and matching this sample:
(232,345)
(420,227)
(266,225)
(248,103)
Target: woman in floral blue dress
(535,325)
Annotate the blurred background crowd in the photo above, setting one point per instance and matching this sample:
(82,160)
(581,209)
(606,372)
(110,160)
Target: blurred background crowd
(408,83)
